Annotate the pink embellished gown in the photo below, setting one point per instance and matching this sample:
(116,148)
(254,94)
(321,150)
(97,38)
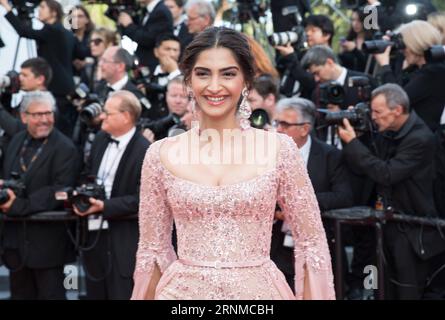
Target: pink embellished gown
(224,234)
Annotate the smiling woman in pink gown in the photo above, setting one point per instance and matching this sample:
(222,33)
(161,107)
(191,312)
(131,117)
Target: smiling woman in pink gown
(224,213)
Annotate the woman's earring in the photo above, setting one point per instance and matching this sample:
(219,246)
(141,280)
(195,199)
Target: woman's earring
(244,110)
(192,101)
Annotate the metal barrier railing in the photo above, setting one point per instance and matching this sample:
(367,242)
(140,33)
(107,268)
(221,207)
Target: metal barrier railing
(369,217)
(354,216)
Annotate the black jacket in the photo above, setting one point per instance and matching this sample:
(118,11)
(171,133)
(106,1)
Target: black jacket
(402,169)
(56,45)
(425,91)
(184,36)
(159,22)
(124,199)
(56,167)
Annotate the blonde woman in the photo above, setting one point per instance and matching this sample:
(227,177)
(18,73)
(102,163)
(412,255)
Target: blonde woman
(425,85)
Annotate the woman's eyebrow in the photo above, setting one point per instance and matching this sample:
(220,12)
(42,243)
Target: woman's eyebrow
(221,70)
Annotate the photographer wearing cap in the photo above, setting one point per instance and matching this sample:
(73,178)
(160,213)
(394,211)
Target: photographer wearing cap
(399,175)
(44,161)
(115,160)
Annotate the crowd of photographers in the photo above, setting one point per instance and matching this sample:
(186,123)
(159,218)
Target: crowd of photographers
(76,121)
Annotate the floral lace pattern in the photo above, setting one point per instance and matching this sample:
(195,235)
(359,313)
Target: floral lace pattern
(224,234)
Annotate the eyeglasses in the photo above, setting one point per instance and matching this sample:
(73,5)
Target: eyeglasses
(40,115)
(286,125)
(96,41)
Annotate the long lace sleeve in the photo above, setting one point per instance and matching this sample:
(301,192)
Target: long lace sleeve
(155,225)
(296,197)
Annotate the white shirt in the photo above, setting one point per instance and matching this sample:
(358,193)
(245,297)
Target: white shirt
(306,149)
(342,78)
(110,161)
(163,81)
(119,84)
(177,26)
(337,143)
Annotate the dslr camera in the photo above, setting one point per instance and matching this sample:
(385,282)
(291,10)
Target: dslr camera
(292,36)
(435,54)
(359,117)
(91,103)
(163,126)
(16,184)
(380,45)
(331,92)
(80,196)
(10,82)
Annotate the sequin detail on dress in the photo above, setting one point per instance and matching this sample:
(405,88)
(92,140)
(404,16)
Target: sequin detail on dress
(224,234)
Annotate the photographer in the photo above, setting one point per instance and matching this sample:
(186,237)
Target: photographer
(157,20)
(425,85)
(114,64)
(101,39)
(322,63)
(167,52)
(45,160)
(399,176)
(180,28)
(319,30)
(116,160)
(56,45)
(351,53)
(177,101)
(35,75)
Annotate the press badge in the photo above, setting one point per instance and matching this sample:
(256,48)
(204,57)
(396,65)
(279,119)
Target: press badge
(94,222)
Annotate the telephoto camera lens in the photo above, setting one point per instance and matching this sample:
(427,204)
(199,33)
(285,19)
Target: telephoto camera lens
(283,38)
(90,112)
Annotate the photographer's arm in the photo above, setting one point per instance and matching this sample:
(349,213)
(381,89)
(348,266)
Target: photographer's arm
(146,36)
(9,123)
(407,159)
(28,32)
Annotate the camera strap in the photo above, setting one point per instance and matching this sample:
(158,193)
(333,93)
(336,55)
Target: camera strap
(23,165)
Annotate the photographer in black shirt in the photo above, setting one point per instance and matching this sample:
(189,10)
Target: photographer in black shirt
(425,85)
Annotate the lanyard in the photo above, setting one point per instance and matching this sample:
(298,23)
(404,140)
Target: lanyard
(34,157)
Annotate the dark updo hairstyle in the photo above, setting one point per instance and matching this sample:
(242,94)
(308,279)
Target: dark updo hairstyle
(220,37)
